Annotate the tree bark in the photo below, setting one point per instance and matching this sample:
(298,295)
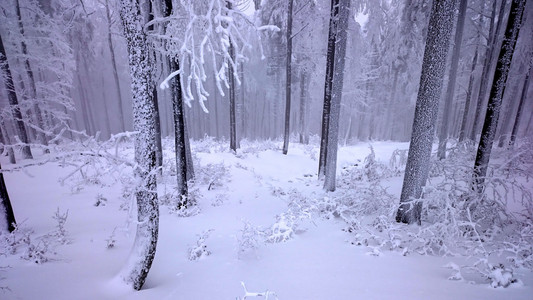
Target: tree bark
(426,109)
(13,102)
(452,77)
(491,44)
(144,247)
(520,106)
(330,61)
(9,216)
(288,77)
(336,95)
(496,94)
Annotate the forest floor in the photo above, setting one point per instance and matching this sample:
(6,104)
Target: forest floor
(253,224)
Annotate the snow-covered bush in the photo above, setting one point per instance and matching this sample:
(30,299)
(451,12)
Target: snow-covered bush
(249,241)
(200,249)
(60,234)
(212,175)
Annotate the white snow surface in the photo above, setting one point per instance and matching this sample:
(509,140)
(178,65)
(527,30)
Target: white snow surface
(317,263)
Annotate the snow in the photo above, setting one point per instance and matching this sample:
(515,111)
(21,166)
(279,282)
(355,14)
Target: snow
(318,262)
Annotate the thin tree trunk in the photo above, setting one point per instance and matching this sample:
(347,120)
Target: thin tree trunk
(114,65)
(452,77)
(304,134)
(336,95)
(157,141)
(427,105)
(6,140)
(31,78)
(496,94)
(326,109)
(14,103)
(491,44)
(288,77)
(466,112)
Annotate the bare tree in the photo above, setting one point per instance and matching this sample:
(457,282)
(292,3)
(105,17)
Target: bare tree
(288,74)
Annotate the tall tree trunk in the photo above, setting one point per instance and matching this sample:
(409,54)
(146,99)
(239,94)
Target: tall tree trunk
(336,95)
(232,121)
(452,77)
(122,121)
(304,133)
(330,62)
(14,103)
(521,105)
(144,247)
(157,141)
(496,93)
(426,109)
(491,44)
(462,130)
(6,207)
(288,77)
(6,140)
(31,78)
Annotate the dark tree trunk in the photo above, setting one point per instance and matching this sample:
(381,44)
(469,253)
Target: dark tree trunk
(336,95)
(144,247)
(232,122)
(13,101)
(491,44)
(452,77)
(9,216)
(427,105)
(158,145)
(496,93)
(122,121)
(466,111)
(288,77)
(520,106)
(330,62)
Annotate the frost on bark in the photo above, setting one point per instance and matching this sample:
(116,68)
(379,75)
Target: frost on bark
(13,102)
(232,108)
(336,95)
(144,247)
(496,93)
(521,104)
(5,206)
(330,61)
(452,77)
(427,103)
(288,77)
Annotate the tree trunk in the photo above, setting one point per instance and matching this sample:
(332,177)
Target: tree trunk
(288,75)
(6,140)
(14,103)
(466,111)
(31,78)
(9,216)
(491,44)
(144,247)
(519,113)
(426,109)
(452,77)
(336,95)
(157,141)
(304,133)
(330,61)
(496,93)
(122,121)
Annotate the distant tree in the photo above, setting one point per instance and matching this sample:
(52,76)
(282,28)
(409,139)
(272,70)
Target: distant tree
(288,76)
(109,24)
(6,207)
(234,144)
(496,93)
(336,95)
(144,247)
(433,68)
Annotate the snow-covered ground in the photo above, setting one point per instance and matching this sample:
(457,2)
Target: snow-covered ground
(256,187)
